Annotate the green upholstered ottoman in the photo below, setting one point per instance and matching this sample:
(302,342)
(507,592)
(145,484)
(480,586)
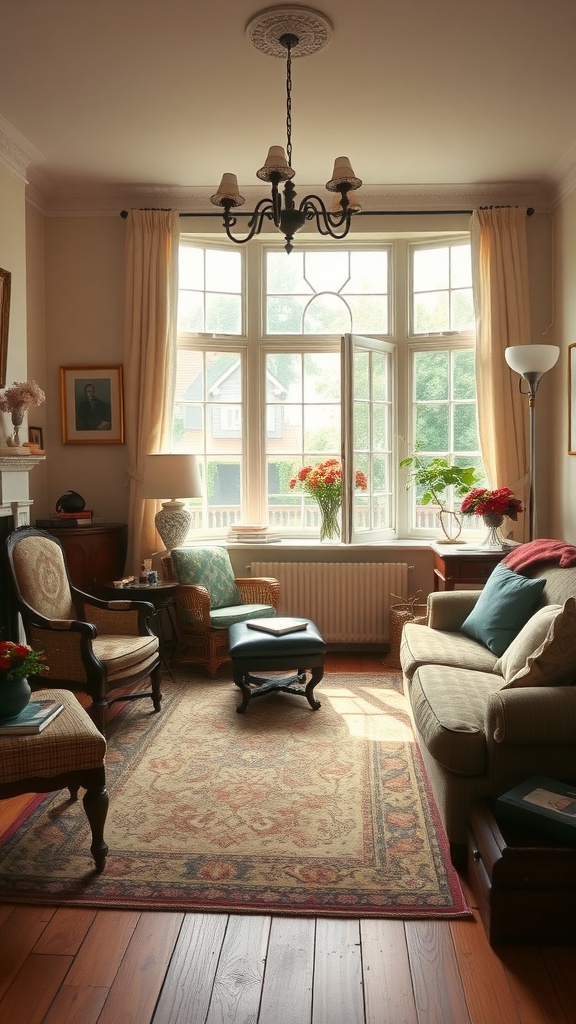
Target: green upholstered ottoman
(253,651)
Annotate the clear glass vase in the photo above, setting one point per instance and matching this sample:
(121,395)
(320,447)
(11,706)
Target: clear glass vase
(329,524)
(494,538)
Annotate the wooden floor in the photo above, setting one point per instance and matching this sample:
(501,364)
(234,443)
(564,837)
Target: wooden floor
(68,966)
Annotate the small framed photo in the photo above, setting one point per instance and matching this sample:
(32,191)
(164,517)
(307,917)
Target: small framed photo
(36,437)
(92,404)
(572,399)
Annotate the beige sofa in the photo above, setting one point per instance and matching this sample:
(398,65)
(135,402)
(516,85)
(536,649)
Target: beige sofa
(480,727)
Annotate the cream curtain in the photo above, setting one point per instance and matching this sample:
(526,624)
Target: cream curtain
(501,298)
(151,297)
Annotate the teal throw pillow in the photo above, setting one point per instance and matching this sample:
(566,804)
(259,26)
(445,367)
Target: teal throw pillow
(503,608)
(208,567)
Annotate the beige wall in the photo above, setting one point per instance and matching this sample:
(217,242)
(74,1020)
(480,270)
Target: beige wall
(13,259)
(84,295)
(563,484)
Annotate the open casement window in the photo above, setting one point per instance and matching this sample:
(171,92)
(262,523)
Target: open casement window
(368,371)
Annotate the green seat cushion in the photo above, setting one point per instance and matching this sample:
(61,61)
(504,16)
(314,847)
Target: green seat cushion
(503,608)
(208,567)
(222,618)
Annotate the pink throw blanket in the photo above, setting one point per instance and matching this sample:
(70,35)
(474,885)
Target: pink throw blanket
(527,555)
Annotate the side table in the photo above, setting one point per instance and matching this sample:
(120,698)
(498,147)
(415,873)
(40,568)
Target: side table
(163,597)
(462,565)
(524,882)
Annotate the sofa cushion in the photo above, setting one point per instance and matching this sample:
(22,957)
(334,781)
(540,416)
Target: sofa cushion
(449,706)
(421,645)
(503,608)
(544,652)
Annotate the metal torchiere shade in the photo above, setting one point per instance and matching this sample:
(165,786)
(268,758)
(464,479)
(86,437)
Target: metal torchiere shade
(179,477)
(532,362)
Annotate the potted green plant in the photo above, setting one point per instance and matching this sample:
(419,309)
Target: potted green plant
(436,475)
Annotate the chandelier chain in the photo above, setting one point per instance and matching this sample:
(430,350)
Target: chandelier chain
(289,105)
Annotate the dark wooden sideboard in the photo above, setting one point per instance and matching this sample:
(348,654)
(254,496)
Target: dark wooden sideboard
(94,554)
(459,566)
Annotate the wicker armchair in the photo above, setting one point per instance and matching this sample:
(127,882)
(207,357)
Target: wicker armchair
(91,646)
(202,612)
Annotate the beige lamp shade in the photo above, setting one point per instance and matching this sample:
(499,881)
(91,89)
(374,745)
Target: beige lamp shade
(172,478)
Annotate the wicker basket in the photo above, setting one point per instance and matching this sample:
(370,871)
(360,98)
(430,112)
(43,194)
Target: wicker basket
(407,610)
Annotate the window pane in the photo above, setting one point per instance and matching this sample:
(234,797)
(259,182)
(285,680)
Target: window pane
(369,313)
(191,267)
(361,375)
(431,312)
(284,314)
(327,314)
(223,271)
(461,266)
(462,310)
(361,426)
(432,376)
(284,376)
(368,273)
(432,428)
(322,377)
(431,269)
(223,314)
(322,429)
(191,312)
(465,432)
(380,426)
(464,375)
(326,271)
(285,273)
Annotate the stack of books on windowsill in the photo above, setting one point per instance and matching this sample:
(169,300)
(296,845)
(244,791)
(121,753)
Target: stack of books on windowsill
(240,534)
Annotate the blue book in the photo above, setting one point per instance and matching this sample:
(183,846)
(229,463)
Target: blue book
(34,718)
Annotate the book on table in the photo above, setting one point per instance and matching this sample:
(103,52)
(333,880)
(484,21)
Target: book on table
(277,626)
(33,719)
(543,804)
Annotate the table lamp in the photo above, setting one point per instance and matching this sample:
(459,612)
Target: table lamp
(178,476)
(532,362)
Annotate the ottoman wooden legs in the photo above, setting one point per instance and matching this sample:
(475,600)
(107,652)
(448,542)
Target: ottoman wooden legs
(252,651)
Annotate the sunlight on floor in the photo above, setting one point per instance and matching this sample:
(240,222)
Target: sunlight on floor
(381,715)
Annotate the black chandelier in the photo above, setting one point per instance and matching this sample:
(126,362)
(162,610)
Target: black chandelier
(280,31)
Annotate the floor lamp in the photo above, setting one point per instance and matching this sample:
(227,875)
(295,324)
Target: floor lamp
(532,362)
(175,475)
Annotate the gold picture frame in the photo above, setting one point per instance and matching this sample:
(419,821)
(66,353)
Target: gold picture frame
(5,285)
(92,404)
(572,399)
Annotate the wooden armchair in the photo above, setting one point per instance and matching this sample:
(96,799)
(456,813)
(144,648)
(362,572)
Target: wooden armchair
(210,598)
(91,646)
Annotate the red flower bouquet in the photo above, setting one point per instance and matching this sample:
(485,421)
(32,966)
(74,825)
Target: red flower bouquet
(482,502)
(324,483)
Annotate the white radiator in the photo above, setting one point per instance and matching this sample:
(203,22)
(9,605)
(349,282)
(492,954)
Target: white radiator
(348,601)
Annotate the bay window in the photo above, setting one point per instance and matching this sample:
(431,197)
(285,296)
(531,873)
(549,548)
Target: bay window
(345,351)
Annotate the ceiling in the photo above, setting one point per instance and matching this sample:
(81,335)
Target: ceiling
(119,99)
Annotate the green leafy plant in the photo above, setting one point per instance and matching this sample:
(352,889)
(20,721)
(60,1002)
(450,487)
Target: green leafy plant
(436,475)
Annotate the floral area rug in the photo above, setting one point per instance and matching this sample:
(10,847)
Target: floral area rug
(280,810)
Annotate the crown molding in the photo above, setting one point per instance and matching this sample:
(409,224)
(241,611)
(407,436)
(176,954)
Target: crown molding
(110,200)
(16,153)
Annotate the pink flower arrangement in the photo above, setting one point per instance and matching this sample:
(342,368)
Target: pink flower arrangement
(21,395)
(501,502)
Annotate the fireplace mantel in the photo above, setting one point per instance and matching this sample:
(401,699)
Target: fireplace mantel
(14,493)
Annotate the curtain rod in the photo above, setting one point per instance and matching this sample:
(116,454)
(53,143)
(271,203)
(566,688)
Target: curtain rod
(365,213)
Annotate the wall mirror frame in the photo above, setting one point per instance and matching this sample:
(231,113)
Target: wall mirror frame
(5,281)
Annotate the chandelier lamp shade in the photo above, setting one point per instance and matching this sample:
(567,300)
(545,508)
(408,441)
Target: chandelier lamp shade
(290,32)
(178,476)
(531,362)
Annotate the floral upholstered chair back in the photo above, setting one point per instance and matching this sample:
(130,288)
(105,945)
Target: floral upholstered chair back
(42,578)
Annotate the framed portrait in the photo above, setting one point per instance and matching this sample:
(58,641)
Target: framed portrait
(5,282)
(36,436)
(92,404)
(572,399)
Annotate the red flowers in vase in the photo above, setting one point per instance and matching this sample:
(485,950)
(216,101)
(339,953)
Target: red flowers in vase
(501,502)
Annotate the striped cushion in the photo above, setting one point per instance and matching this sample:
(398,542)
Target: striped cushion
(69,743)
